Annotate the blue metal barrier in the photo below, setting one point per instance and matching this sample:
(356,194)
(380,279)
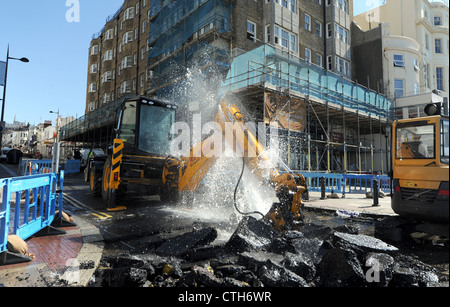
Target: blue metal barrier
(346,183)
(361,184)
(4,216)
(358,184)
(36,199)
(72,166)
(32,166)
(333,182)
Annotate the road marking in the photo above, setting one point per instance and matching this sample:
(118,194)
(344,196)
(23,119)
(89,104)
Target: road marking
(80,205)
(101,216)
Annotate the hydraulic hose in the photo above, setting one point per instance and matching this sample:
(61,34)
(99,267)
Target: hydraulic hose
(235,192)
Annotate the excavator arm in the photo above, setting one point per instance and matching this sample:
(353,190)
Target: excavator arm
(186,173)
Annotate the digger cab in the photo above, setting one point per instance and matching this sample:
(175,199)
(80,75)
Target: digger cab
(139,151)
(144,125)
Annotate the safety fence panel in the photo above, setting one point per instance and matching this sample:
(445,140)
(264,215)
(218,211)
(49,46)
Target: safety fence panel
(346,183)
(72,166)
(360,184)
(30,203)
(333,182)
(33,166)
(4,216)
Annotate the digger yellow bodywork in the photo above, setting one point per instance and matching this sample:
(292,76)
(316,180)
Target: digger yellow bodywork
(420,168)
(191,170)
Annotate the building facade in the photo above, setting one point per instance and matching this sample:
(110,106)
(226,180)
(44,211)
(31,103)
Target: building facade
(425,22)
(118,56)
(287,62)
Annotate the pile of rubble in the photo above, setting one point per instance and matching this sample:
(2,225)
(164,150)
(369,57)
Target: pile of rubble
(256,255)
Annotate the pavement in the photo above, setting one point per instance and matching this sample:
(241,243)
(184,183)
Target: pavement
(72,258)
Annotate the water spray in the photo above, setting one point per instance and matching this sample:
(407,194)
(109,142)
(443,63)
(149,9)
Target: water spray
(235,192)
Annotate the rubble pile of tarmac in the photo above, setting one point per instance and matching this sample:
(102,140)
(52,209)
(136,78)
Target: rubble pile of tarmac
(258,256)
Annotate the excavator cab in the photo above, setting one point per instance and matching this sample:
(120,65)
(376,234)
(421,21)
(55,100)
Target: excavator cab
(144,126)
(138,152)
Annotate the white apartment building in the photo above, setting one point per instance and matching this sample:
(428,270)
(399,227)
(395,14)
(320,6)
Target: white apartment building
(412,24)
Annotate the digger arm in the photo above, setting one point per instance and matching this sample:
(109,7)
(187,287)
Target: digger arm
(288,186)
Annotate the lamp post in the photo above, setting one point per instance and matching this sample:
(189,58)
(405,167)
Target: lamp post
(24,60)
(56,147)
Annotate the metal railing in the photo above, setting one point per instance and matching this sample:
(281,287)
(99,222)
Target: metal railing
(346,183)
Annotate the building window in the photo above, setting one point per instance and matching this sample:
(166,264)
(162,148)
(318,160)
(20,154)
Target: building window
(307,55)
(437,21)
(343,5)
(307,22)
(285,39)
(319,60)
(329,30)
(398,60)
(341,33)
(289,4)
(416,88)
(107,76)
(293,5)
(399,88)
(318,28)
(106,98)
(342,66)
(129,13)
(440,78)
(329,62)
(438,45)
(268,36)
(128,37)
(109,34)
(94,68)
(92,87)
(94,50)
(91,106)
(251,31)
(125,87)
(108,55)
(126,62)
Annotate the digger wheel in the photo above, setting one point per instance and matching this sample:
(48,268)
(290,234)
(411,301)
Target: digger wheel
(108,194)
(95,183)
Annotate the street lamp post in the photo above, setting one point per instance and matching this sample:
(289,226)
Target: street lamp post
(56,147)
(24,60)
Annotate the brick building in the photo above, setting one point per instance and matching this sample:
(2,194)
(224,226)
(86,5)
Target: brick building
(118,55)
(288,62)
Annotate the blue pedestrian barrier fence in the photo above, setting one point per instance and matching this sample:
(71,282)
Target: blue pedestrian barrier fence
(333,182)
(33,166)
(72,166)
(29,203)
(346,183)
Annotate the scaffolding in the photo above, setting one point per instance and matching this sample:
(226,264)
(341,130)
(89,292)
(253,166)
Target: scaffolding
(185,36)
(324,121)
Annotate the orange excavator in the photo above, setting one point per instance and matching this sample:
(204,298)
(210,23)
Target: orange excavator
(186,173)
(141,155)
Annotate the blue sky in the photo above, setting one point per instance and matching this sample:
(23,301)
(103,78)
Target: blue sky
(361,6)
(56,76)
